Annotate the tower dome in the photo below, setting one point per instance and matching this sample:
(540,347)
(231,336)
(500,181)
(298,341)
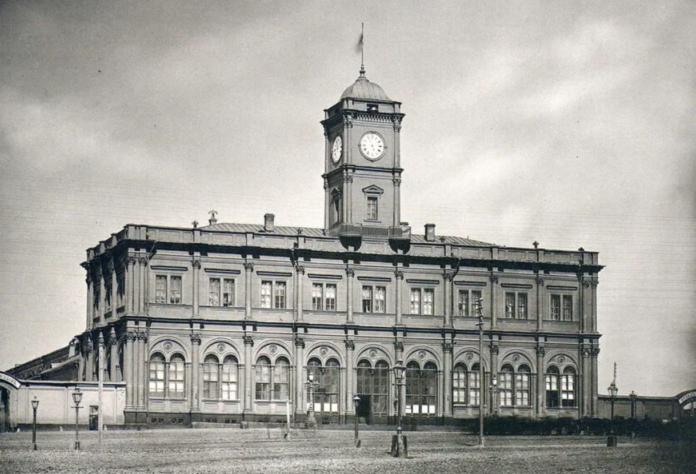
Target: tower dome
(363,89)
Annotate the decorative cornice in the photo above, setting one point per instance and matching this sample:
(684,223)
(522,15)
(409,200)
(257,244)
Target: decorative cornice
(248,341)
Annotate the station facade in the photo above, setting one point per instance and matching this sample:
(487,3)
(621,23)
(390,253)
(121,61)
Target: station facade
(224,323)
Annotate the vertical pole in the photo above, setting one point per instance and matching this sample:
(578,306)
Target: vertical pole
(33,431)
(355,418)
(77,427)
(100,416)
(479,310)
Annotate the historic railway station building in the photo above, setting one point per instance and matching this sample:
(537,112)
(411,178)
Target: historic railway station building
(223,323)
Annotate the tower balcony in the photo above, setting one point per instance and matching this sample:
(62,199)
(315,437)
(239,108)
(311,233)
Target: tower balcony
(360,231)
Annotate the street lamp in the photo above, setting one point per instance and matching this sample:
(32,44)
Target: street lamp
(34,406)
(613,390)
(311,421)
(356,402)
(77,398)
(398,446)
(633,398)
(478,305)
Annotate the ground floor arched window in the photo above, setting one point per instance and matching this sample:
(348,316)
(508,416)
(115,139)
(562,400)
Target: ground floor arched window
(373,388)
(272,381)
(466,384)
(568,387)
(326,392)
(167,379)
(220,380)
(514,386)
(421,389)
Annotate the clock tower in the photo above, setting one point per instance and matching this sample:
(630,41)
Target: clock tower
(362,176)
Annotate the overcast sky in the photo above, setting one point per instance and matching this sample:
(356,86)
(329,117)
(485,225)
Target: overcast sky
(570,123)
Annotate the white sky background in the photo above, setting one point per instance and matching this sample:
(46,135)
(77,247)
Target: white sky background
(570,124)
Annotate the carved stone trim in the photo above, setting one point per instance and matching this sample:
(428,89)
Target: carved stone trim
(396,182)
(142,261)
(249,266)
(300,269)
(131,260)
(142,336)
(196,263)
(195,339)
(595,352)
(594,283)
(448,275)
(299,342)
(350,272)
(540,281)
(350,345)
(495,349)
(541,351)
(447,347)
(586,352)
(398,346)
(248,341)
(399,274)
(494,279)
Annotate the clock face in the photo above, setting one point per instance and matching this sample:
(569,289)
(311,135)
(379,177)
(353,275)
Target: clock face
(372,146)
(337,149)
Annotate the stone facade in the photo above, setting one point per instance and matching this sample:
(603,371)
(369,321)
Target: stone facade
(224,322)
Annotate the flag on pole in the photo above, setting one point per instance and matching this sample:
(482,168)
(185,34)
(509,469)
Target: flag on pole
(361,41)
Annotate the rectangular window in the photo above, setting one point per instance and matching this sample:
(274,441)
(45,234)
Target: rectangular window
(506,389)
(372,208)
(474,387)
(279,294)
(568,390)
(522,389)
(510,305)
(522,306)
(266,292)
(567,308)
(228,293)
(214,292)
(415,300)
(374,299)
(317,296)
(330,298)
(380,299)
(556,307)
(229,381)
(161,289)
(463,303)
(428,301)
(475,298)
(367,299)
(175,290)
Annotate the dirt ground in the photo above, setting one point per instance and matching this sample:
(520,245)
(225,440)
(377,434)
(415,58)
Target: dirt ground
(265,451)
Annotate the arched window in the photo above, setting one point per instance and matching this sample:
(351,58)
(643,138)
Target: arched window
(552,395)
(475,385)
(522,386)
(210,377)
(156,386)
(459,376)
(421,389)
(177,376)
(230,369)
(263,379)
(506,386)
(568,387)
(281,379)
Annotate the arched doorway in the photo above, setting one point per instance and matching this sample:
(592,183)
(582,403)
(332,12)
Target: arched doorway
(687,403)
(8,388)
(373,390)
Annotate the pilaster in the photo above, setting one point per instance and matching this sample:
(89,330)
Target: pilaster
(299,277)
(142,295)
(130,285)
(494,313)
(447,375)
(195,370)
(248,275)
(448,276)
(595,356)
(299,375)
(129,337)
(350,274)
(540,388)
(350,383)
(540,306)
(114,367)
(494,350)
(399,280)
(248,367)
(196,276)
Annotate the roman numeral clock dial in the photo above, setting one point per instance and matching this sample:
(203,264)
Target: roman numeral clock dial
(372,146)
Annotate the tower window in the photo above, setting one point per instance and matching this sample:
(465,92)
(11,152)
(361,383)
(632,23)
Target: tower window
(372,207)
(372,108)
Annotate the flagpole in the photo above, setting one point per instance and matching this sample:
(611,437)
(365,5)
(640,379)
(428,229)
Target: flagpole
(362,46)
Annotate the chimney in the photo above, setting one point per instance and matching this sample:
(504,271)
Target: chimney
(268,224)
(212,219)
(430,232)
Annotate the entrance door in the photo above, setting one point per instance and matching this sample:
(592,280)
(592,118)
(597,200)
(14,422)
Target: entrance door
(373,384)
(4,410)
(327,391)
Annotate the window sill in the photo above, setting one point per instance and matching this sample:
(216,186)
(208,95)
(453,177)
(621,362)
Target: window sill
(162,399)
(268,402)
(216,400)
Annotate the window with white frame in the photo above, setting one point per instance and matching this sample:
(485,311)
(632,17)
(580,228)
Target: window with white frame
(514,386)
(272,381)
(374,299)
(568,387)
(516,305)
(324,296)
(157,379)
(273,294)
(220,380)
(221,292)
(423,301)
(562,307)
(167,379)
(168,289)
(466,303)
(552,395)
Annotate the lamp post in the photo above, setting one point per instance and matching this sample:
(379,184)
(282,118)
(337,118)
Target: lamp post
(311,421)
(34,406)
(633,398)
(77,398)
(356,402)
(613,390)
(478,305)
(398,446)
